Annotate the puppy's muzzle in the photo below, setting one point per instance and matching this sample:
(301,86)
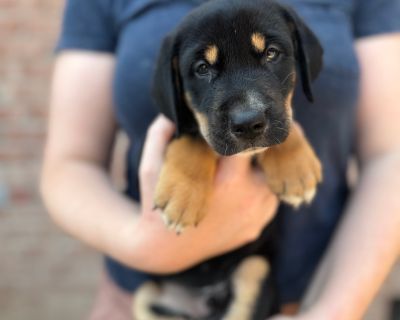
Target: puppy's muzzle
(248,124)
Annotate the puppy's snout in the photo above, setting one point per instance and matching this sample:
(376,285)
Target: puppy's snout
(248,124)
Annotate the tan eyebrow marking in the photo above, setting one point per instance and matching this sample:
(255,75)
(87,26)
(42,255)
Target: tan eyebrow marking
(258,41)
(211,54)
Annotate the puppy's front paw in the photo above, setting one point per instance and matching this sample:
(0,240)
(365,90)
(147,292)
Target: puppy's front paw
(293,172)
(185,183)
(300,184)
(182,201)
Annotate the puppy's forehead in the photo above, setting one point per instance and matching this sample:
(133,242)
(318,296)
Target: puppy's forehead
(255,38)
(216,35)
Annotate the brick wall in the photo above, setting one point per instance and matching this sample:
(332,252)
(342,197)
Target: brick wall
(43,274)
(27,33)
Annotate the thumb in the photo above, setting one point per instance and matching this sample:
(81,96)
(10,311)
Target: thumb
(157,138)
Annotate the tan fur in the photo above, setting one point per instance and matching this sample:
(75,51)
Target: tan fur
(145,296)
(247,282)
(201,119)
(258,41)
(185,182)
(202,122)
(292,168)
(288,104)
(211,54)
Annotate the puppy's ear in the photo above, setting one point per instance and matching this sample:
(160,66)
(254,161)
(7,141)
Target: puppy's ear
(167,86)
(308,51)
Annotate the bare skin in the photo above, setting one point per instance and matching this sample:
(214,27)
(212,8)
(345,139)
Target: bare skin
(80,198)
(111,302)
(367,243)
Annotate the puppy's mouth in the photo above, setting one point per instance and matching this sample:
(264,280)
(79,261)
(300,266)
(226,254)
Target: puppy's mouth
(225,144)
(229,148)
(252,151)
(229,140)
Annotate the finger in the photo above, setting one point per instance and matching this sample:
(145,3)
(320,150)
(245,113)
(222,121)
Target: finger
(297,126)
(259,176)
(265,215)
(233,165)
(157,138)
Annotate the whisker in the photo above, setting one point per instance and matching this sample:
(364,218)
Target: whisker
(282,129)
(287,77)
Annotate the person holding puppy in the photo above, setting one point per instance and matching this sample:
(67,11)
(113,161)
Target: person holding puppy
(101,82)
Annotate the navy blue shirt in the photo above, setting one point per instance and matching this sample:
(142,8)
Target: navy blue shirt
(132,30)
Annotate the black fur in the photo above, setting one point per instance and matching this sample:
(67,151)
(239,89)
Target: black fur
(240,72)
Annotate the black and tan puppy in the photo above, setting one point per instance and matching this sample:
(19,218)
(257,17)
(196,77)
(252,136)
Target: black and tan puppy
(226,77)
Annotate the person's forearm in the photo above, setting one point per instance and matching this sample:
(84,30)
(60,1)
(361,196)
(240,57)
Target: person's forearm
(80,198)
(365,247)
(82,201)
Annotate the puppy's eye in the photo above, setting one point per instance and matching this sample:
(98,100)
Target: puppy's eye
(273,54)
(201,69)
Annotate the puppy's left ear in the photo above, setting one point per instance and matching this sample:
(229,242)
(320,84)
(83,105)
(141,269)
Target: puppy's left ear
(308,50)
(167,88)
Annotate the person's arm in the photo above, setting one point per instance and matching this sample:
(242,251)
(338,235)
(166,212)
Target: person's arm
(367,243)
(77,191)
(75,185)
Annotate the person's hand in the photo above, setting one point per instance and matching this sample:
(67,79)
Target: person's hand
(312,314)
(240,206)
(288,318)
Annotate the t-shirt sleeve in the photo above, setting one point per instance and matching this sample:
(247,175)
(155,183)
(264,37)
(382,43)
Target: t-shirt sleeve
(373,17)
(87,25)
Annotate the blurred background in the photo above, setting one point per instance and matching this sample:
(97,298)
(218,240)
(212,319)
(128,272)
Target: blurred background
(45,275)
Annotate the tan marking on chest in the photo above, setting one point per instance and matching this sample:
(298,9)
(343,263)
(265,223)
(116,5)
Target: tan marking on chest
(258,41)
(211,54)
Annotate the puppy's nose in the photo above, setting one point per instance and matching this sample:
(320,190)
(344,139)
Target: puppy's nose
(248,124)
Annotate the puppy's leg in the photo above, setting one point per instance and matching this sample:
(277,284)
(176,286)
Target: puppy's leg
(185,182)
(292,169)
(247,283)
(145,297)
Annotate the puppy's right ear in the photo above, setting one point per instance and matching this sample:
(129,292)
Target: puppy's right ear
(167,86)
(309,52)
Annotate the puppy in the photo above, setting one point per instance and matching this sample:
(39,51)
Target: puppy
(226,77)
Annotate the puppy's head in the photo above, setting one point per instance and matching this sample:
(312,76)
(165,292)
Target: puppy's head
(229,71)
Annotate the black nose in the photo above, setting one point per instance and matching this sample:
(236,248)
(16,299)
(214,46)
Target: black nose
(248,124)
